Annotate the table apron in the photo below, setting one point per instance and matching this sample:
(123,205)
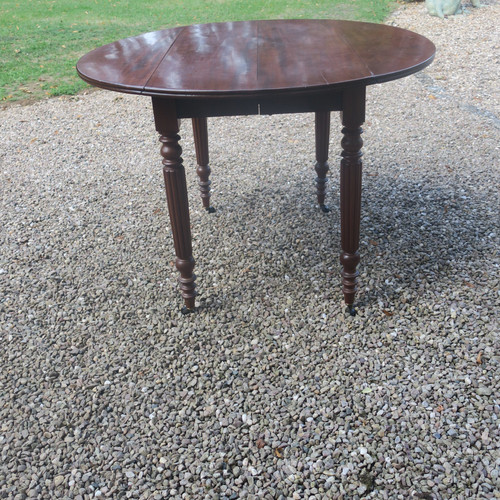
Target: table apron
(195,107)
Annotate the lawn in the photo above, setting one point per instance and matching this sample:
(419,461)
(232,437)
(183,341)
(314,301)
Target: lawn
(41,40)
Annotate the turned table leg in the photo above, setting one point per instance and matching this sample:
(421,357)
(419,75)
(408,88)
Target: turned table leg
(353,115)
(167,126)
(201,145)
(322,128)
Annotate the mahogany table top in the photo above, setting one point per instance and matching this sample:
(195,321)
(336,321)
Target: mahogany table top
(256,58)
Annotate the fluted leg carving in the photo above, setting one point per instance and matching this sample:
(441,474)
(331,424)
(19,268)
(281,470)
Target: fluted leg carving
(177,199)
(175,187)
(353,116)
(201,144)
(322,128)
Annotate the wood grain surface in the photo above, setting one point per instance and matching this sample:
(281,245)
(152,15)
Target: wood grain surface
(250,57)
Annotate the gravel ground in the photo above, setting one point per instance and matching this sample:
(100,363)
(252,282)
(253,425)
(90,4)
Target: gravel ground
(270,390)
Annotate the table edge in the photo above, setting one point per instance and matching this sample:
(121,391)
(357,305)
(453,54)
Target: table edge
(221,94)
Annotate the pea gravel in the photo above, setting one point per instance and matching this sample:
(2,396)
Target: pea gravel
(270,390)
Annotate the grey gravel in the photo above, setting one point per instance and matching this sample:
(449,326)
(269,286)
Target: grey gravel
(270,390)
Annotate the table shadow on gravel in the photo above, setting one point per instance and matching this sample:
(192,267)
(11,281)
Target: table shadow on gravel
(427,230)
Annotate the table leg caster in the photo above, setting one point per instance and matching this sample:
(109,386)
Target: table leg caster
(351,310)
(210,210)
(324,208)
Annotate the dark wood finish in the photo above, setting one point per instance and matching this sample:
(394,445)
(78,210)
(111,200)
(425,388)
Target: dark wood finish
(167,126)
(353,115)
(200,134)
(125,65)
(259,67)
(322,128)
(256,57)
(294,102)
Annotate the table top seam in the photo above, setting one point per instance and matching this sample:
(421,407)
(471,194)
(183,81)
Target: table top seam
(162,59)
(362,59)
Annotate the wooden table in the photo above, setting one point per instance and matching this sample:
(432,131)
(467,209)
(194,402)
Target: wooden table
(259,67)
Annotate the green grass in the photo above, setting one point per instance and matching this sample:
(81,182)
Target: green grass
(41,40)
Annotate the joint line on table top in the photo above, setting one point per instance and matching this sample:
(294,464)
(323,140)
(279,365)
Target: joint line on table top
(346,41)
(163,58)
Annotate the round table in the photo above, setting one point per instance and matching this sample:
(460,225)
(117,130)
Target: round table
(259,67)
